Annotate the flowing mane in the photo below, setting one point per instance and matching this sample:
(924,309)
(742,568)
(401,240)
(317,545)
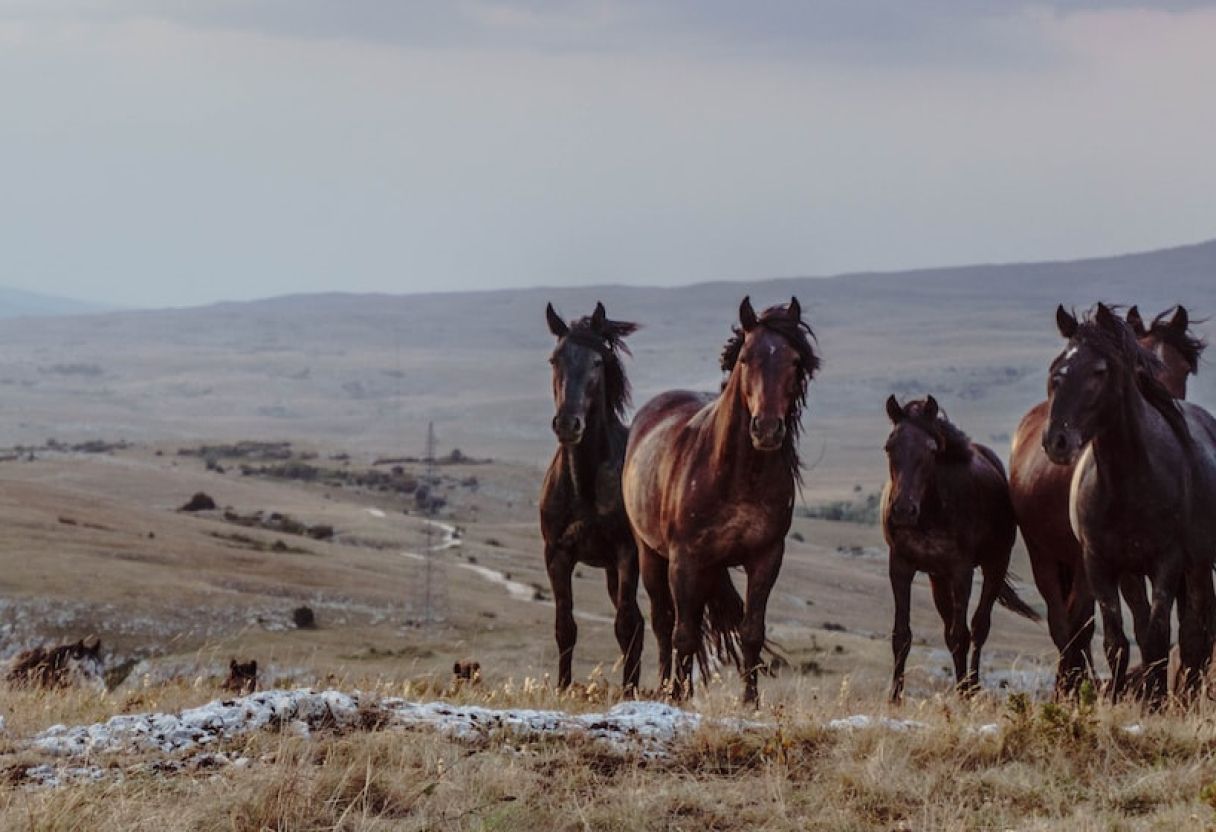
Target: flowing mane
(609,341)
(953,444)
(799,335)
(1189,346)
(1113,339)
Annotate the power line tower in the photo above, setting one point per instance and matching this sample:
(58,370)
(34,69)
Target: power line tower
(429,596)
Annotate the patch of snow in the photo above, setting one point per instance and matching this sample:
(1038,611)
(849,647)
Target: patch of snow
(990,729)
(48,776)
(375,512)
(645,727)
(862,721)
(1135,729)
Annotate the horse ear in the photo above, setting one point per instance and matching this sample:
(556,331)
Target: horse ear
(747,315)
(556,325)
(598,317)
(1065,322)
(894,412)
(232,665)
(1136,322)
(1180,321)
(931,408)
(1105,318)
(253,666)
(794,310)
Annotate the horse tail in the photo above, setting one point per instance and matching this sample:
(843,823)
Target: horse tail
(1008,598)
(720,631)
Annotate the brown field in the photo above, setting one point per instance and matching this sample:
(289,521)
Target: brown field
(94,544)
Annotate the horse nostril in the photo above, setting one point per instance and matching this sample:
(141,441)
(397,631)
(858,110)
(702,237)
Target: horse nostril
(576,425)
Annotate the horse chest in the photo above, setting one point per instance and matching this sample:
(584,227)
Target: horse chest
(926,551)
(732,527)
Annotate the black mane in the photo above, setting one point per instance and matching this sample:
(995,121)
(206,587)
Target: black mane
(609,341)
(1189,346)
(1113,339)
(799,335)
(953,444)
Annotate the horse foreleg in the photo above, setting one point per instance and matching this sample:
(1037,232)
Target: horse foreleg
(689,596)
(901,634)
(1070,635)
(560,566)
(1155,648)
(1195,636)
(623,587)
(957,589)
(761,575)
(662,613)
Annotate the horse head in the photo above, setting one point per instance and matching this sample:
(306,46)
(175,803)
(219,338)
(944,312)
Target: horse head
(912,450)
(588,377)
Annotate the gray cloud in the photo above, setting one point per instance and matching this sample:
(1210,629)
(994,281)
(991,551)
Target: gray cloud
(981,32)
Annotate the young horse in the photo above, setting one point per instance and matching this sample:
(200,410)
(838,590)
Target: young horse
(582,518)
(1143,498)
(945,511)
(1039,490)
(709,484)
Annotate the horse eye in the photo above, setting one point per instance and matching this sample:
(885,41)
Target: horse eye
(599,362)
(553,361)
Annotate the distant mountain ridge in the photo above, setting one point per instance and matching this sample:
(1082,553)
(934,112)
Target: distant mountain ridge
(20,303)
(370,370)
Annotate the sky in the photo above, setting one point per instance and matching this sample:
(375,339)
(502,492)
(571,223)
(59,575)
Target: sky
(188,151)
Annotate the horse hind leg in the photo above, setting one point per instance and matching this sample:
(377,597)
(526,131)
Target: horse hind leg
(981,621)
(951,595)
(560,566)
(653,569)
(628,625)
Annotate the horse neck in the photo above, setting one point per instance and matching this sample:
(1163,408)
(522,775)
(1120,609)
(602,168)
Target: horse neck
(734,457)
(1120,449)
(583,460)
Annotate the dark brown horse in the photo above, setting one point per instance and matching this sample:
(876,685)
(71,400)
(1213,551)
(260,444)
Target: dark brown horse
(1040,500)
(709,484)
(582,518)
(945,511)
(1143,497)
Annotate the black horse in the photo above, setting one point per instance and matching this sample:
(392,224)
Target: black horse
(1143,499)
(945,511)
(582,517)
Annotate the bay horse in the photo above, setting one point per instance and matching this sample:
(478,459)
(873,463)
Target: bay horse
(946,511)
(582,516)
(1143,496)
(709,484)
(1039,490)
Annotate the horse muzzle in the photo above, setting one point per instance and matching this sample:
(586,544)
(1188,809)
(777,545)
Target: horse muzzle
(768,434)
(568,428)
(1062,445)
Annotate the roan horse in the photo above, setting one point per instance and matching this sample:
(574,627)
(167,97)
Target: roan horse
(709,484)
(945,511)
(582,518)
(1040,490)
(1143,497)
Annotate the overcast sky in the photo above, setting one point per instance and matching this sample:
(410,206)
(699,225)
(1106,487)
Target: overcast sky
(186,151)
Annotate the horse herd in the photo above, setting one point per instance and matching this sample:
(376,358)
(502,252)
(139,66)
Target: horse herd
(1112,482)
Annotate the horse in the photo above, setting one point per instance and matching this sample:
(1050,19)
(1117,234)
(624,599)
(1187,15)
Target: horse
(1039,490)
(1143,495)
(945,511)
(582,516)
(709,484)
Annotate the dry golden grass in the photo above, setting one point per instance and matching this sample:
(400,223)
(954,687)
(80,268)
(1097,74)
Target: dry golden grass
(1043,767)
